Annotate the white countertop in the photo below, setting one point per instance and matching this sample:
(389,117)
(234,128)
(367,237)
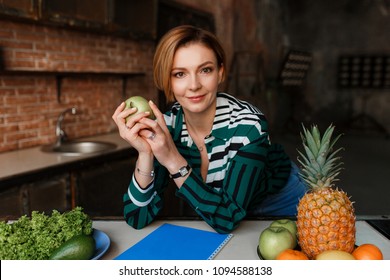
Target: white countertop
(23,161)
(242,246)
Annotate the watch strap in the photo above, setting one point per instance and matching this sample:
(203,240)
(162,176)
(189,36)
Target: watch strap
(179,174)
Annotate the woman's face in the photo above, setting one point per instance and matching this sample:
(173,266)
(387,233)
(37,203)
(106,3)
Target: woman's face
(195,77)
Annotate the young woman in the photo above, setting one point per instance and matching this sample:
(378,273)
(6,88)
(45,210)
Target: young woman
(214,146)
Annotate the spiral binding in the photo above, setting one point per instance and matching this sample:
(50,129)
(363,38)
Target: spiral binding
(216,251)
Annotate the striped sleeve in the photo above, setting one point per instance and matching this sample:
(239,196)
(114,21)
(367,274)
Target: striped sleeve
(141,206)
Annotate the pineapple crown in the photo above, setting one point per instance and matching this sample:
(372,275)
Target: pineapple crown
(320,166)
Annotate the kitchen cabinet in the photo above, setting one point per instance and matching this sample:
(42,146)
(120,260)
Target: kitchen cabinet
(129,18)
(35,180)
(20,9)
(96,185)
(11,204)
(42,181)
(99,189)
(48,194)
(43,195)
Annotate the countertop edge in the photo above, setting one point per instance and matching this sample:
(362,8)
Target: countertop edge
(25,164)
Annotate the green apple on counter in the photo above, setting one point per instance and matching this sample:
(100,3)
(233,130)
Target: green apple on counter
(274,240)
(288,224)
(141,104)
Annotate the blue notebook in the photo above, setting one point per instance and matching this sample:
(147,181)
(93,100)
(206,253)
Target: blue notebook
(172,242)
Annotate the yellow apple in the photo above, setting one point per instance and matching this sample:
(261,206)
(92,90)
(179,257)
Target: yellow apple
(335,255)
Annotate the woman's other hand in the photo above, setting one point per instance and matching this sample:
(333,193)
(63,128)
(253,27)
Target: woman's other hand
(160,140)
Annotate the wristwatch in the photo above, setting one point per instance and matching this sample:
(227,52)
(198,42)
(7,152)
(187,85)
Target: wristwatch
(183,171)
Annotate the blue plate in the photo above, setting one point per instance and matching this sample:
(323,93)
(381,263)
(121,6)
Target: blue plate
(102,243)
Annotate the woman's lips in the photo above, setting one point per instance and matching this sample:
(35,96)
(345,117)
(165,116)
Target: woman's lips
(196,98)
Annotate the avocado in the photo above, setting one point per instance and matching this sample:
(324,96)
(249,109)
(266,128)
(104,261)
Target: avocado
(79,247)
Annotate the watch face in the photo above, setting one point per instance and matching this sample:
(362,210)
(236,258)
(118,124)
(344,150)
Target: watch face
(183,171)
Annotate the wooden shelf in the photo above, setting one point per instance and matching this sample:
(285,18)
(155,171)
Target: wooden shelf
(65,74)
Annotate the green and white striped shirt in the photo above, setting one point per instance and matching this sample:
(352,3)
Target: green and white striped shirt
(243,168)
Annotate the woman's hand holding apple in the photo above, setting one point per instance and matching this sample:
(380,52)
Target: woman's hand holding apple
(130,129)
(142,124)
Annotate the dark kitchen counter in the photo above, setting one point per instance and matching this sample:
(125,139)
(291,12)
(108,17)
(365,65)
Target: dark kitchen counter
(382,226)
(27,164)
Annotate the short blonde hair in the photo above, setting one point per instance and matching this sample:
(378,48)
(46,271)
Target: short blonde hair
(170,43)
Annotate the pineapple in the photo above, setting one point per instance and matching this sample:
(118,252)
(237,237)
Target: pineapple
(326,216)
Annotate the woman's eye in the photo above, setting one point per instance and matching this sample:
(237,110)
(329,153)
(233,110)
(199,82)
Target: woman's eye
(207,70)
(178,74)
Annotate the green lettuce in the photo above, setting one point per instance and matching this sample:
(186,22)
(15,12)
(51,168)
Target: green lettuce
(35,237)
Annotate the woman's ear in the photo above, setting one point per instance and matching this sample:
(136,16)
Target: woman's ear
(221,73)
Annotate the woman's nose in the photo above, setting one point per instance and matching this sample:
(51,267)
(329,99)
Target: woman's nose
(195,83)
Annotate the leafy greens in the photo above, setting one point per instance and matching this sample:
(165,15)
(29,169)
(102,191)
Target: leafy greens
(36,237)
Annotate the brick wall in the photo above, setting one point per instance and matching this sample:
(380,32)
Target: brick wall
(28,103)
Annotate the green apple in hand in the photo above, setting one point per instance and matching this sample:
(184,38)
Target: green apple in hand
(288,224)
(141,104)
(274,240)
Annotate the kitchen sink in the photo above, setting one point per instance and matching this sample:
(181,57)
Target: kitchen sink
(79,148)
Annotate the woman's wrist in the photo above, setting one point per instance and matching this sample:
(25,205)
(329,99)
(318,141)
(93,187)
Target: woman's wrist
(177,167)
(144,169)
(145,173)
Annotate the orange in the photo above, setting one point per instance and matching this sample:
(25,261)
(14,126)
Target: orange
(290,254)
(367,252)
